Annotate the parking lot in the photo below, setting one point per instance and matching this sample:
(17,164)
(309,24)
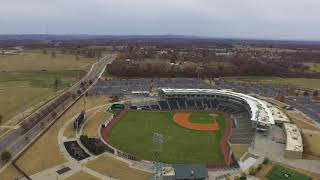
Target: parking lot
(304,104)
(143,86)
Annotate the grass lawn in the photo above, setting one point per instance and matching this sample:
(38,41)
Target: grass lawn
(34,60)
(301,82)
(115,168)
(81,176)
(134,131)
(20,90)
(282,173)
(93,124)
(26,80)
(204,118)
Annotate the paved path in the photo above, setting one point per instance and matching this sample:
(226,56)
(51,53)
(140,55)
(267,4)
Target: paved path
(267,147)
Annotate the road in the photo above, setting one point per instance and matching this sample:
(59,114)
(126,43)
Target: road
(14,141)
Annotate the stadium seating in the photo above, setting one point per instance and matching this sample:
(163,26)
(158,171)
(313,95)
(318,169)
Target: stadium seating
(242,131)
(182,104)
(173,105)
(164,105)
(199,104)
(190,104)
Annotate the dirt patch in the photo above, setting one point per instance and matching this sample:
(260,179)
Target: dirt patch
(183,120)
(110,166)
(10,173)
(310,139)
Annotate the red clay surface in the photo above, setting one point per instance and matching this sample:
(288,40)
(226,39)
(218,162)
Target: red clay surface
(183,120)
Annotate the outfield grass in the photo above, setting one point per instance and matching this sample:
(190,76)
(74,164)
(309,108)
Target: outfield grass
(301,82)
(134,131)
(204,118)
(279,172)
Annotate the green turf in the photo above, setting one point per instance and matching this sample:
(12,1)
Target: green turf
(134,131)
(278,173)
(203,118)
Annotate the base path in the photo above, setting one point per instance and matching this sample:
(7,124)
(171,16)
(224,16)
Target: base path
(183,120)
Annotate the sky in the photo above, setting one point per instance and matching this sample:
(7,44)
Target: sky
(258,19)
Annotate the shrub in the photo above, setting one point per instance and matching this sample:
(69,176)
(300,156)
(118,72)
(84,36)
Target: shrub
(243,176)
(5,156)
(90,144)
(253,171)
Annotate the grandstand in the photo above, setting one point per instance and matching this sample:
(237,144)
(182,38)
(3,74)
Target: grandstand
(247,113)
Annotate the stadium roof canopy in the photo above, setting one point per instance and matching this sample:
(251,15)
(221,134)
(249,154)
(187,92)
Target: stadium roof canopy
(259,110)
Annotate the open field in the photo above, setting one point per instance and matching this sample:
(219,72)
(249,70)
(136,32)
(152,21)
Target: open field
(26,79)
(30,61)
(110,166)
(181,145)
(282,173)
(301,82)
(37,158)
(81,176)
(21,90)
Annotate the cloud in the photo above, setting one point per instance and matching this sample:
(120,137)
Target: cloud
(271,19)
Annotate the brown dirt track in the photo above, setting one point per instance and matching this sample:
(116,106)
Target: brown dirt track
(183,120)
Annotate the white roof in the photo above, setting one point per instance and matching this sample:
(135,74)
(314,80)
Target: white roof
(294,140)
(259,110)
(278,115)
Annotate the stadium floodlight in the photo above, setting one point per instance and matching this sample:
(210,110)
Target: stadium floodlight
(157,142)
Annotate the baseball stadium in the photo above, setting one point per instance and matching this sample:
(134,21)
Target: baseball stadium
(197,125)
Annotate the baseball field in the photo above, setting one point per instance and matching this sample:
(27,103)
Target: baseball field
(196,140)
